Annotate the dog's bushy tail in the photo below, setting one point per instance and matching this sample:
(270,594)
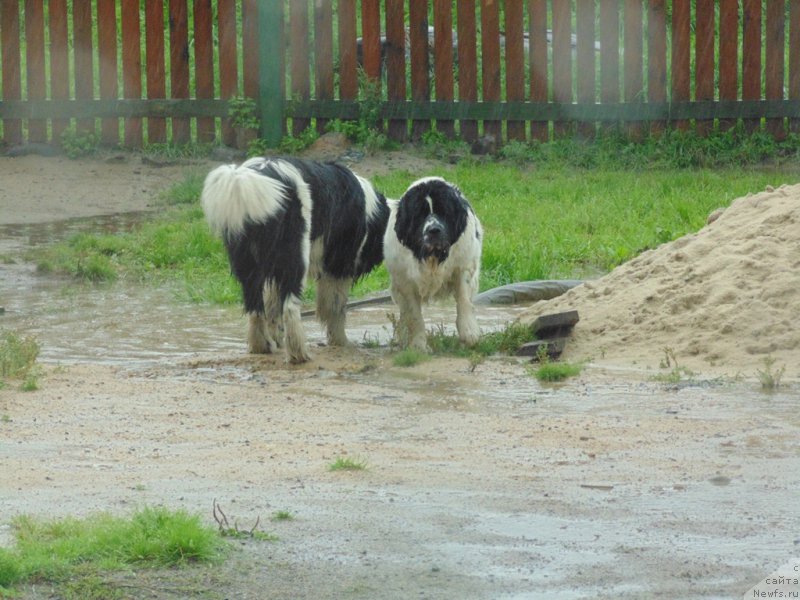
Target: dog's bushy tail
(234,196)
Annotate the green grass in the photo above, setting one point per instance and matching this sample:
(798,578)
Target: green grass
(502,341)
(558,210)
(556,371)
(282,515)
(345,463)
(410,357)
(76,550)
(18,360)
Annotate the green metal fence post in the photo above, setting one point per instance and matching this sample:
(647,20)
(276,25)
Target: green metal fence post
(270,85)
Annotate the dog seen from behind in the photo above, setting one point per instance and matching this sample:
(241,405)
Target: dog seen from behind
(283,221)
(432,249)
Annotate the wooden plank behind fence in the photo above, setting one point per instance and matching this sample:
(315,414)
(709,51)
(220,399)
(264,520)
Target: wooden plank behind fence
(84,61)
(132,67)
(107,56)
(12,85)
(228,64)
(633,82)
(396,63)
(154,57)
(728,55)
(774,62)
(59,61)
(515,64)
(443,59)
(537,50)
(34,63)
(704,59)
(467,63)
(179,64)
(681,44)
(323,54)
(794,60)
(751,56)
(420,61)
(585,60)
(609,52)
(348,61)
(656,58)
(300,58)
(204,65)
(250,48)
(562,59)
(490,64)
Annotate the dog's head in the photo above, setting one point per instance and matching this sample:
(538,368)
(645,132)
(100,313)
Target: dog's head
(431,216)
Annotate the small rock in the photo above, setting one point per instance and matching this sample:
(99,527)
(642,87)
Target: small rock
(329,146)
(486,144)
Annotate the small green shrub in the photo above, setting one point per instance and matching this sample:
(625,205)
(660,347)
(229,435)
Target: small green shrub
(345,463)
(770,378)
(77,144)
(410,357)
(242,112)
(556,371)
(18,359)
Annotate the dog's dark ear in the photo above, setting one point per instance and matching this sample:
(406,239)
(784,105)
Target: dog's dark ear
(411,212)
(458,213)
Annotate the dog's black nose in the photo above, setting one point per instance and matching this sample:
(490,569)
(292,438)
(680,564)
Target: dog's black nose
(434,230)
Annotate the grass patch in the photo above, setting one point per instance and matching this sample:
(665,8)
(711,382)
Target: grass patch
(75,551)
(410,357)
(503,341)
(282,515)
(18,360)
(556,371)
(676,372)
(769,378)
(345,463)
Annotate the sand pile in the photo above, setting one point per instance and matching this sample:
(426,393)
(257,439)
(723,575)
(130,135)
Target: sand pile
(722,299)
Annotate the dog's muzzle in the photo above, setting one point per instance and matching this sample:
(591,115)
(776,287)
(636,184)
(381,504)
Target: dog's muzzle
(435,240)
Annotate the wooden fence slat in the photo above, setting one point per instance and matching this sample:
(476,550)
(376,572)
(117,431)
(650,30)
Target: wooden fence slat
(794,60)
(34,64)
(681,43)
(515,64)
(775,62)
(348,61)
(728,54)
(467,63)
(490,64)
(179,64)
(633,83)
(131,67)
(228,65)
(300,58)
(250,48)
(751,56)
(656,58)
(59,61)
(443,59)
(609,52)
(585,60)
(154,71)
(704,58)
(396,63)
(420,61)
(562,59)
(204,65)
(107,56)
(12,84)
(371,39)
(83,57)
(323,54)
(537,50)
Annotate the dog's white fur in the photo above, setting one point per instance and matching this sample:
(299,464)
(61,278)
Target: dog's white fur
(415,282)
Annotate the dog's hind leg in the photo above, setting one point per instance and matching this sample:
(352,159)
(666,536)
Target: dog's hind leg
(295,335)
(466,323)
(332,307)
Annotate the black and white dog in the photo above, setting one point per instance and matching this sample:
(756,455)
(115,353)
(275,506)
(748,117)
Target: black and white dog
(283,221)
(432,248)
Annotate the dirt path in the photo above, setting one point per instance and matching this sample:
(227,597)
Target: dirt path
(479,484)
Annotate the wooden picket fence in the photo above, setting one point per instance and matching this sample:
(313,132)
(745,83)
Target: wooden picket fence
(152,71)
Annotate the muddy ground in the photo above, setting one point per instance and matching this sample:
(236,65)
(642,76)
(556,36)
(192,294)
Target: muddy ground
(479,484)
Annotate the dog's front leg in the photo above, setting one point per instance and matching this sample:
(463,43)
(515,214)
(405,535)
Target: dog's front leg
(411,329)
(466,323)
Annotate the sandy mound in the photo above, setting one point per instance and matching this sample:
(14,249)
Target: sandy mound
(722,300)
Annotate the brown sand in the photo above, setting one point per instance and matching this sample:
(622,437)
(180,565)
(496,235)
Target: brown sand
(723,300)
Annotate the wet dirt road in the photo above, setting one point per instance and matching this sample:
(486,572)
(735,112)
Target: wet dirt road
(481,484)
